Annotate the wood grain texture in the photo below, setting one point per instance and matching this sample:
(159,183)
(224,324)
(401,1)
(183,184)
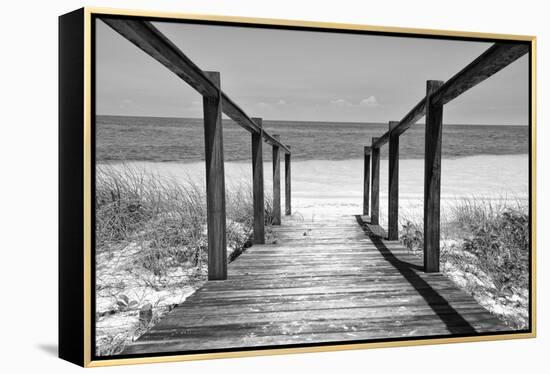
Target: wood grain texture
(276,183)
(366,180)
(375,183)
(393,183)
(258,185)
(215,183)
(355,287)
(432,178)
(288,184)
(149,39)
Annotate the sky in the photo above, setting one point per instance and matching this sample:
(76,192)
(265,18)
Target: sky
(304,76)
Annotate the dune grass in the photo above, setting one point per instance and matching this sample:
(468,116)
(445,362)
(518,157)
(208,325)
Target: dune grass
(151,246)
(485,250)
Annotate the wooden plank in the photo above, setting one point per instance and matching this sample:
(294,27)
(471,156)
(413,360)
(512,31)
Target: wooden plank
(367,256)
(385,311)
(280,285)
(452,296)
(432,178)
(366,180)
(301,305)
(282,265)
(343,251)
(276,183)
(149,39)
(393,183)
(258,185)
(288,184)
(326,251)
(277,333)
(215,183)
(317,301)
(490,62)
(181,331)
(259,328)
(375,183)
(298,240)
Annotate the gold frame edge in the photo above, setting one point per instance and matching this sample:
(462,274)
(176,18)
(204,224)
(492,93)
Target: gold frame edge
(87,187)
(89,11)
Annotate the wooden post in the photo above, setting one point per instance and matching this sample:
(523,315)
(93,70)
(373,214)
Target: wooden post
(375,184)
(288,209)
(366,181)
(393,187)
(258,184)
(215,182)
(432,179)
(276,183)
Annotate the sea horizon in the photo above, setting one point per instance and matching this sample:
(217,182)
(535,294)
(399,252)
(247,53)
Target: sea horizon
(303,122)
(171,139)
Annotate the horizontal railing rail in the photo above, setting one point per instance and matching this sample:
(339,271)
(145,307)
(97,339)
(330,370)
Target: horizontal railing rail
(494,59)
(149,39)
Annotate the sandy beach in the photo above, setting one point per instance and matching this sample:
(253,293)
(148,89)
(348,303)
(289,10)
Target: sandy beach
(324,187)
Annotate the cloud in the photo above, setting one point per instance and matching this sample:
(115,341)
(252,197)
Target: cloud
(340,102)
(369,101)
(126,103)
(281,102)
(261,104)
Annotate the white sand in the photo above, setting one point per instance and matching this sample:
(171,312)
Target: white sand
(322,187)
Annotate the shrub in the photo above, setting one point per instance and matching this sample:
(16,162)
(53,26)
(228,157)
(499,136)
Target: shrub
(124,303)
(485,244)
(412,236)
(501,243)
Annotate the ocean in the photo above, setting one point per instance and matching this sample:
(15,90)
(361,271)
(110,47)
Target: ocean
(121,138)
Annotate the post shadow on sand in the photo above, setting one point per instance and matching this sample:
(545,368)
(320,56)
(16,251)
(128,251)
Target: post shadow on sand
(456,324)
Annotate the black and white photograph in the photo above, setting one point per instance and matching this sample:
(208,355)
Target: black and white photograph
(263,186)
(273,187)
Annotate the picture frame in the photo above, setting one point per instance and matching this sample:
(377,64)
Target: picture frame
(78,162)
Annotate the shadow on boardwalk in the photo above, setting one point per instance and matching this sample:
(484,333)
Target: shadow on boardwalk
(454,321)
(322,282)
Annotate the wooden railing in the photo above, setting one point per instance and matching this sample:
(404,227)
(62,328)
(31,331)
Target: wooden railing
(215,102)
(438,94)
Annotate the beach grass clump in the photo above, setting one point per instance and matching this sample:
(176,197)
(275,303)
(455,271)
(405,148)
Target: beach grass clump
(412,236)
(151,242)
(166,217)
(498,235)
(485,249)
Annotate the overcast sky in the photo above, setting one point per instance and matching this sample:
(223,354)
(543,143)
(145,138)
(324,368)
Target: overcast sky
(297,75)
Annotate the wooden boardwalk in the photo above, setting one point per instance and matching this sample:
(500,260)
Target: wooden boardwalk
(324,281)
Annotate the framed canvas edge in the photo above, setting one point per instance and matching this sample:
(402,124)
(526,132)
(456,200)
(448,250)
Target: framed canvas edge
(89,11)
(298,350)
